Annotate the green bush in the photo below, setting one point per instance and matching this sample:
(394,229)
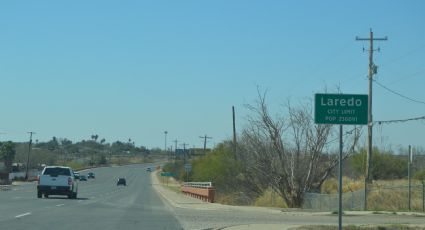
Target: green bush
(420,175)
(385,165)
(218,167)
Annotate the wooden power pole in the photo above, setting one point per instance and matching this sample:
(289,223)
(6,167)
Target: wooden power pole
(373,69)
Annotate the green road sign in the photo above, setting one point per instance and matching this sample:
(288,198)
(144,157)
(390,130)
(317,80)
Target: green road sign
(340,109)
(168,174)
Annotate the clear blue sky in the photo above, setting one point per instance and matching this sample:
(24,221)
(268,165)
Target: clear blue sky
(132,69)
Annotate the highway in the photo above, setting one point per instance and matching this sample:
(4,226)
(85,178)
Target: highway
(100,204)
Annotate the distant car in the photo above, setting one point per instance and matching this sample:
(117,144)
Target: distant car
(121,181)
(76,175)
(148,170)
(91,175)
(83,178)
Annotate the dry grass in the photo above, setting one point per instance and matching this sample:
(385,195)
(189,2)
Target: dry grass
(330,186)
(384,195)
(270,199)
(169,182)
(393,196)
(226,199)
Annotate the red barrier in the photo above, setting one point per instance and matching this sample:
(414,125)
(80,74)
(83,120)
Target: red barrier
(205,194)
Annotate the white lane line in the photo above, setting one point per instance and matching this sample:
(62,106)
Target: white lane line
(22,215)
(58,205)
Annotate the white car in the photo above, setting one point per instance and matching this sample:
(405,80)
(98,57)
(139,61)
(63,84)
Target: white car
(57,180)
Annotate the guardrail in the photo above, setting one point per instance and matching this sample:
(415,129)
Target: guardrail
(200,190)
(198,184)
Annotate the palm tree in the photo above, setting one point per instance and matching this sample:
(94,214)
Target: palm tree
(94,137)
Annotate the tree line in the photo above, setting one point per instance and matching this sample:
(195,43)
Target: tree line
(94,151)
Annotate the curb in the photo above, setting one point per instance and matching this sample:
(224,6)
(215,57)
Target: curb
(156,184)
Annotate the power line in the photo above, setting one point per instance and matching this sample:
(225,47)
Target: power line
(345,134)
(407,54)
(400,120)
(399,94)
(408,76)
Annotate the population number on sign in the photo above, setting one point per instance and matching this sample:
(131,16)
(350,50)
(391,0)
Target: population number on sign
(342,109)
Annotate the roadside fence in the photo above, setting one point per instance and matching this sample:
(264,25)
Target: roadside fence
(329,202)
(380,198)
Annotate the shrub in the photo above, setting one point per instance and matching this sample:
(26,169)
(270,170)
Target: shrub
(420,175)
(330,186)
(219,167)
(385,165)
(270,199)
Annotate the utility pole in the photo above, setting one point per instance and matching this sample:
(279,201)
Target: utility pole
(165,144)
(28,157)
(184,151)
(205,142)
(234,131)
(373,69)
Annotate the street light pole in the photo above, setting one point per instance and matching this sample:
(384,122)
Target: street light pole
(28,157)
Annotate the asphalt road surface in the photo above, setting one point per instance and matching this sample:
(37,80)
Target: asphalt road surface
(100,205)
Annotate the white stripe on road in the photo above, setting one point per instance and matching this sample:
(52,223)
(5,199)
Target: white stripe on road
(22,215)
(58,205)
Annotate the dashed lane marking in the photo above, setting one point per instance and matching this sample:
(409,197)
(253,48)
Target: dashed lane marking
(22,215)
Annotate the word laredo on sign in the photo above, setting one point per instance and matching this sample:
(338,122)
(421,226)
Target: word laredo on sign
(340,102)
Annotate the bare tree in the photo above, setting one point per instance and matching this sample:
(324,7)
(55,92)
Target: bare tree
(288,154)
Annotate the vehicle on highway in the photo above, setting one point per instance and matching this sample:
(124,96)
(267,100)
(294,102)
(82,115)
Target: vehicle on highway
(91,175)
(57,180)
(121,181)
(77,175)
(148,170)
(83,178)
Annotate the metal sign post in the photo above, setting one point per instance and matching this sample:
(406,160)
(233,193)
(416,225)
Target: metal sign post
(340,109)
(409,175)
(340,180)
